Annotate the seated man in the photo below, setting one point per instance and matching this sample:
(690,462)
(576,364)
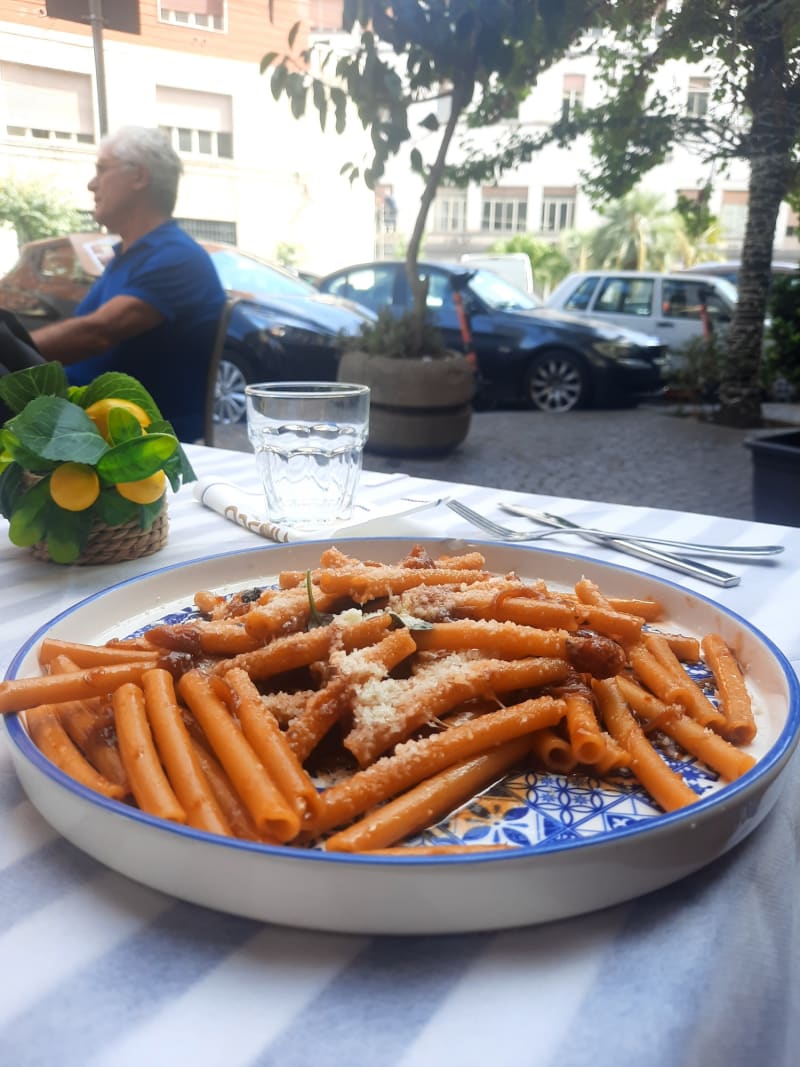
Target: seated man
(153,313)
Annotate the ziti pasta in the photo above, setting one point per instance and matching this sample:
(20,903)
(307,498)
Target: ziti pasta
(352,706)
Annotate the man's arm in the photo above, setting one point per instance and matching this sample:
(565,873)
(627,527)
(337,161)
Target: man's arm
(88,335)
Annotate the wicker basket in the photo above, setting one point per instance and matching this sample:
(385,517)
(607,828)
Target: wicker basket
(114,544)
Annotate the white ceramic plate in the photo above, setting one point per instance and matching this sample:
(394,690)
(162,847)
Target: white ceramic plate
(584,846)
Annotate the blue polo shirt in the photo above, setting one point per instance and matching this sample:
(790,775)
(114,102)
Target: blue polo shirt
(170,271)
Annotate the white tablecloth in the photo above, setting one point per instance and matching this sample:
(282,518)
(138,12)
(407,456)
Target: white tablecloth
(99,970)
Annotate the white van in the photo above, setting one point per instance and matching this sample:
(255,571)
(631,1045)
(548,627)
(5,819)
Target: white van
(667,306)
(514,267)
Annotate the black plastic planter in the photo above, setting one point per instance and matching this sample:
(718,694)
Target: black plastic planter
(776,477)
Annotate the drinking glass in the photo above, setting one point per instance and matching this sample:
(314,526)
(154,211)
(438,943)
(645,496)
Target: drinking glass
(308,439)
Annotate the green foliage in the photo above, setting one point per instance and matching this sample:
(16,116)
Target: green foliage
(19,389)
(481,57)
(287,254)
(119,386)
(700,365)
(397,338)
(782,361)
(548,263)
(36,210)
(638,233)
(49,427)
(696,214)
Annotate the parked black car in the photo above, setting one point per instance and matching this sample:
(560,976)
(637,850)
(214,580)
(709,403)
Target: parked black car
(283,328)
(550,360)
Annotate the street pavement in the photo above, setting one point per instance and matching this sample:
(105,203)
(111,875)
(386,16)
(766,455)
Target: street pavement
(652,456)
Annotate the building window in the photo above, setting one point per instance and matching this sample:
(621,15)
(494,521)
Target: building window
(791,224)
(209,230)
(197,124)
(325,16)
(558,209)
(733,214)
(203,14)
(504,209)
(450,211)
(572,94)
(385,209)
(46,105)
(698,97)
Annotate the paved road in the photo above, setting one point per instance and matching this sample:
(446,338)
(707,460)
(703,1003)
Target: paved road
(645,456)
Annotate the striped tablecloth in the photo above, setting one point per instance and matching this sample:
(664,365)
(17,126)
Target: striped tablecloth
(97,969)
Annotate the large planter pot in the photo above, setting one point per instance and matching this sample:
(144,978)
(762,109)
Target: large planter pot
(776,477)
(418,407)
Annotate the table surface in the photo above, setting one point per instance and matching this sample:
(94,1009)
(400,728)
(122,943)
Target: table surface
(100,970)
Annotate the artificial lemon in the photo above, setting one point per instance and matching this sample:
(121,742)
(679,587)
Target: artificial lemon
(74,486)
(146,490)
(99,412)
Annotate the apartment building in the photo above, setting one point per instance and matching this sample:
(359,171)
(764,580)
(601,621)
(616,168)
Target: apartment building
(258,177)
(545,197)
(253,174)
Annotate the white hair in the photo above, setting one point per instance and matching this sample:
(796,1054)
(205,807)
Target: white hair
(149,148)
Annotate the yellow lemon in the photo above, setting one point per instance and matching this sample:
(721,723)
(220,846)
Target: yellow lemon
(74,486)
(146,490)
(99,412)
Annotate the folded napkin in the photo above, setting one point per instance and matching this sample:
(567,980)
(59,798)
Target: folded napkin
(377,503)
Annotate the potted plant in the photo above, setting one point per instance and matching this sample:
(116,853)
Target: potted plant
(84,469)
(409,65)
(420,399)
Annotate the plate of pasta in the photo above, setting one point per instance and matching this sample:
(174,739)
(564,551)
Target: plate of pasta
(401,736)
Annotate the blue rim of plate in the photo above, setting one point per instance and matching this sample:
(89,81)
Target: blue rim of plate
(772,760)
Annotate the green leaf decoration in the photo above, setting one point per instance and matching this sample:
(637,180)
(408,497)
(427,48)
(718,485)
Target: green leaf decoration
(121,387)
(27,459)
(67,534)
(19,388)
(148,513)
(160,426)
(113,509)
(30,515)
(10,481)
(135,459)
(123,426)
(53,428)
(178,469)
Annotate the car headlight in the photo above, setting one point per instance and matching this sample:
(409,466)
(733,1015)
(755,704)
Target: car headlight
(616,349)
(293,335)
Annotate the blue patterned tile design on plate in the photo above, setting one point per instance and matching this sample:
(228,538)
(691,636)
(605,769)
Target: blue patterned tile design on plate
(538,807)
(535,807)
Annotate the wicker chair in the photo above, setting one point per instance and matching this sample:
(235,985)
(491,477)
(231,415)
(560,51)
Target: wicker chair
(213,368)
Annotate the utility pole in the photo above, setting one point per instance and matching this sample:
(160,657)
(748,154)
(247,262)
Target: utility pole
(96,21)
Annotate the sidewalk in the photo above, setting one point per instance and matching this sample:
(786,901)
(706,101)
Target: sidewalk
(648,456)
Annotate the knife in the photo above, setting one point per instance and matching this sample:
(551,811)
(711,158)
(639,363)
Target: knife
(753,553)
(650,554)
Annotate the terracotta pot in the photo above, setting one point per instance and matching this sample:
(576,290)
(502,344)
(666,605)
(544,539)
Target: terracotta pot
(418,407)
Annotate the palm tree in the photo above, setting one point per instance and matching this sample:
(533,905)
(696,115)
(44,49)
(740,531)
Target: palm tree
(692,249)
(577,247)
(639,233)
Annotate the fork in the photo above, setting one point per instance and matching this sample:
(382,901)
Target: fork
(495,528)
(649,553)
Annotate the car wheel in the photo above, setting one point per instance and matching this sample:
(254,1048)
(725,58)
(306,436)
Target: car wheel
(557,381)
(229,400)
